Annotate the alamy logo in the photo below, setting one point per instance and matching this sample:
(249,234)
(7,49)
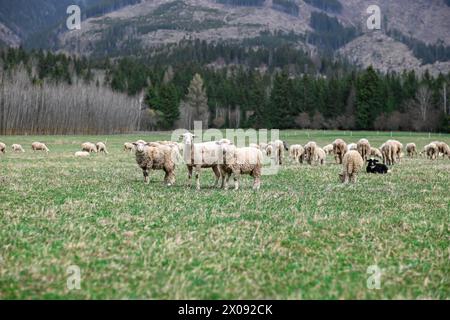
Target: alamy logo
(74,277)
(374,20)
(374,281)
(74,20)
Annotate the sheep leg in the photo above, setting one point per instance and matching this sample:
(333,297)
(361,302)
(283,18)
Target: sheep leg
(236,180)
(197,176)
(217,174)
(145,172)
(228,175)
(189,175)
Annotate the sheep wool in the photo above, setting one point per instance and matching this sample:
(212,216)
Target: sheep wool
(411,150)
(352,164)
(38,146)
(17,148)
(296,152)
(101,147)
(82,154)
(156,158)
(363,147)
(310,151)
(89,147)
(328,149)
(128,146)
(432,151)
(2,147)
(375,152)
(339,149)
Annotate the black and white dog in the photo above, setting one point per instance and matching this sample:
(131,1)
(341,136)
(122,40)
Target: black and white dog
(374,167)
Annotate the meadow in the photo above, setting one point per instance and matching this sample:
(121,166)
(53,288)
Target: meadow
(304,235)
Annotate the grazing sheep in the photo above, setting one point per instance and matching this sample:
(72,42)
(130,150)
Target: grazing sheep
(310,151)
(328,149)
(201,155)
(2,147)
(375,152)
(89,147)
(352,146)
(269,150)
(128,146)
(17,148)
(387,153)
(397,150)
(237,161)
(38,146)
(296,152)
(444,149)
(82,154)
(278,148)
(101,147)
(339,149)
(411,150)
(320,156)
(156,158)
(363,147)
(432,151)
(352,164)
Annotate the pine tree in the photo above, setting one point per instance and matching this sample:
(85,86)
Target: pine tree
(196,103)
(367,99)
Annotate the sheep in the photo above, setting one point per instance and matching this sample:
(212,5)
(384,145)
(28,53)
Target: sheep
(269,150)
(254,145)
(237,161)
(375,152)
(89,147)
(128,146)
(320,156)
(397,149)
(278,148)
(201,155)
(101,147)
(38,146)
(411,150)
(82,154)
(263,145)
(363,147)
(328,149)
(339,149)
(352,146)
(310,151)
(444,149)
(432,151)
(141,141)
(296,152)
(17,148)
(2,147)
(156,158)
(387,153)
(352,163)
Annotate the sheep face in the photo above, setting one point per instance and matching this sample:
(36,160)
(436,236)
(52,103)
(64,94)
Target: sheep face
(139,147)
(188,138)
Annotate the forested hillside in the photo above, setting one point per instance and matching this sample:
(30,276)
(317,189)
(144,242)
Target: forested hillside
(237,95)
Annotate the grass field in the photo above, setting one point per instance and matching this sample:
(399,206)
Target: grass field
(302,236)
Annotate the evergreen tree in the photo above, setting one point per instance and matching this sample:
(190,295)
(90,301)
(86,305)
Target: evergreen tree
(367,99)
(196,103)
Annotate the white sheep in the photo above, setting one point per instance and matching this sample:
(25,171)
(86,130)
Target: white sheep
(352,146)
(444,149)
(128,146)
(411,150)
(397,150)
(82,154)
(17,148)
(2,147)
(201,155)
(254,145)
(101,147)
(328,149)
(339,149)
(310,151)
(319,156)
(156,158)
(432,151)
(278,150)
(363,147)
(296,152)
(38,146)
(352,164)
(89,147)
(375,152)
(237,161)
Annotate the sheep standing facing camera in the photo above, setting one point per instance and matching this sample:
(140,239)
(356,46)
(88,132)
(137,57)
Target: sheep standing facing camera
(339,149)
(352,164)
(156,158)
(38,146)
(17,148)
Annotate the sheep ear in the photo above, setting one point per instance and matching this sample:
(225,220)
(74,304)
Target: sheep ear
(135,144)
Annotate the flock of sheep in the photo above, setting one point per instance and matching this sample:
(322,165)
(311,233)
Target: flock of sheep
(226,159)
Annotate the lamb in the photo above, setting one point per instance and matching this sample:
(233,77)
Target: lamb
(89,147)
(374,167)
(278,147)
(156,158)
(201,155)
(363,147)
(352,164)
(328,149)
(444,149)
(17,148)
(310,151)
(375,152)
(320,156)
(128,146)
(38,146)
(397,149)
(2,147)
(432,151)
(339,149)
(411,150)
(296,152)
(101,147)
(237,161)
(82,154)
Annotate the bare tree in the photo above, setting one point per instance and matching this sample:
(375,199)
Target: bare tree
(423,99)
